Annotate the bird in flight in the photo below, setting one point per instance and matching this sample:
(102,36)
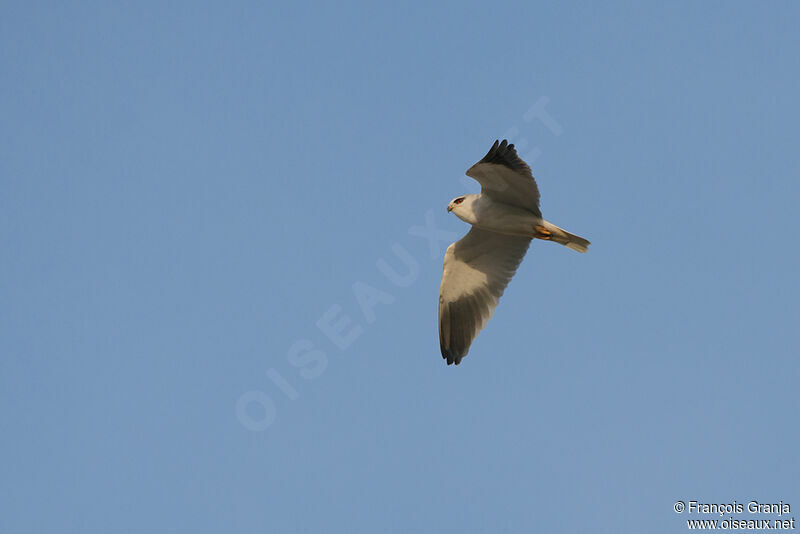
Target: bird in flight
(505,217)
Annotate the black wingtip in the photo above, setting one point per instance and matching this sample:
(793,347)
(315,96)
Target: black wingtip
(447,355)
(504,153)
(450,357)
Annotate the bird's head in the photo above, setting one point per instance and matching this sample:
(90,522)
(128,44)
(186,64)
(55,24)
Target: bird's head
(456,202)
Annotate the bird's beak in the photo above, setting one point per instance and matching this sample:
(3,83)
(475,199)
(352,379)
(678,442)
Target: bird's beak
(449,208)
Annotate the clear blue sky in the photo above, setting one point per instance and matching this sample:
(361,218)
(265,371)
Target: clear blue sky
(187,190)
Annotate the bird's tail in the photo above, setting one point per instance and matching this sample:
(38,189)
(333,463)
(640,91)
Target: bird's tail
(550,232)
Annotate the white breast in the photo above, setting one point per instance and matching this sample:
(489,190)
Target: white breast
(503,218)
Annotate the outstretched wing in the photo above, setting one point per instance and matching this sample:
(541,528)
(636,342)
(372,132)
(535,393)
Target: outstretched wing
(477,269)
(506,178)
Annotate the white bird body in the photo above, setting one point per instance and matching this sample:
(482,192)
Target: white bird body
(505,217)
(487,214)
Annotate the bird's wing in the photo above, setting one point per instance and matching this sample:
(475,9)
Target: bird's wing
(477,269)
(506,178)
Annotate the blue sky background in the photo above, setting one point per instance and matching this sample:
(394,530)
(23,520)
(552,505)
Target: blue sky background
(186,189)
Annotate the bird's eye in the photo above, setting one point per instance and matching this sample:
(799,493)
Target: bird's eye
(459,200)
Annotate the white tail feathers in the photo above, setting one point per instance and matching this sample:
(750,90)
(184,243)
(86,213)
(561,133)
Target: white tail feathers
(559,235)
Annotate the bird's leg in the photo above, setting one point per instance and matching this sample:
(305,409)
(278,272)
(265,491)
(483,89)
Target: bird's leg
(542,233)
